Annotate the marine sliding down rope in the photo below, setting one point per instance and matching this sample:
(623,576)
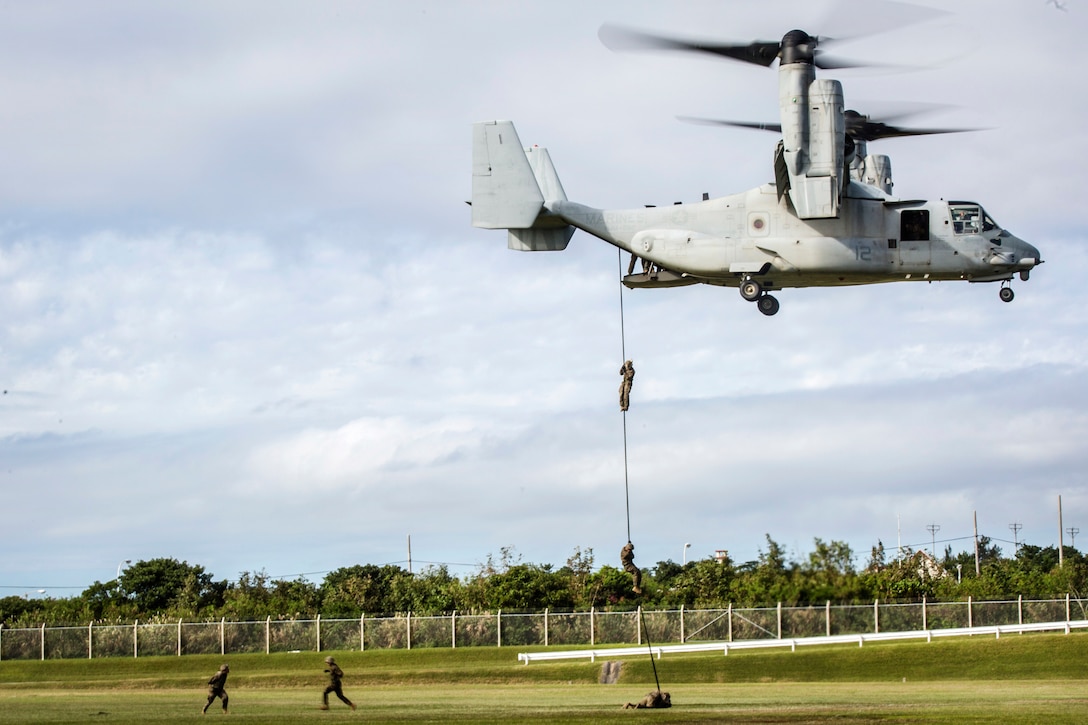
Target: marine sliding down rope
(626,478)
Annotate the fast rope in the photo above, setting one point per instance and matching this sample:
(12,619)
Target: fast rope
(626,479)
(623,356)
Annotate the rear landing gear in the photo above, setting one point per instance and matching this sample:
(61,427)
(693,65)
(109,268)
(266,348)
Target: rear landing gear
(750,289)
(767,305)
(1006,294)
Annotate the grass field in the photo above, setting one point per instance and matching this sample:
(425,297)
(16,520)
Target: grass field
(1015,679)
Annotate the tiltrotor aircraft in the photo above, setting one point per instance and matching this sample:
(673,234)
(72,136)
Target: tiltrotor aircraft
(829,218)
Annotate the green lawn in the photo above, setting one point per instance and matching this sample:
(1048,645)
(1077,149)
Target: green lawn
(1021,679)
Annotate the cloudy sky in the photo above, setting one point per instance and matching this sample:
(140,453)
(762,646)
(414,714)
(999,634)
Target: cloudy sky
(246,322)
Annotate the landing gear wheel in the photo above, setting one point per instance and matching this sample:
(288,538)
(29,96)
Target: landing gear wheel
(767,305)
(750,290)
(1006,294)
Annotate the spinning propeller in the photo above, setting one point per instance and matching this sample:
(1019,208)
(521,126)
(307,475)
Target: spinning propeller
(859,127)
(796,46)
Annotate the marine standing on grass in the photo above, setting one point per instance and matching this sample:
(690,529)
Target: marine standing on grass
(335,676)
(215,688)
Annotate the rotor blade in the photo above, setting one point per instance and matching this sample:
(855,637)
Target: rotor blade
(864,128)
(759,52)
(858,127)
(831,62)
(776,128)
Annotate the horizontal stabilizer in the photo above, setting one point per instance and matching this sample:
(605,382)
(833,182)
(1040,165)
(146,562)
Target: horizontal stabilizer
(540,240)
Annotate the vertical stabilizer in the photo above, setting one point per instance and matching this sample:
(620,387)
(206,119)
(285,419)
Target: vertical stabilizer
(510,185)
(505,194)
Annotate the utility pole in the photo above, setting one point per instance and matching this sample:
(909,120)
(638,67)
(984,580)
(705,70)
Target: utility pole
(977,570)
(1015,527)
(933,529)
(1061,536)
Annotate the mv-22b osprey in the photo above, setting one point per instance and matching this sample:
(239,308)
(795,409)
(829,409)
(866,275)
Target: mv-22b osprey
(829,218)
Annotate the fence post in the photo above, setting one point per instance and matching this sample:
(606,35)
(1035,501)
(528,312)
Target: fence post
(828,608)
(43,641)
(1020,609)
(498,627)
(268,634)
(362,632)
(223,636)
(545,626)
(1067,618)
(730,618)
(179,638)
(408,625)
(638,625)
(135,639)
(682,633)
(453,629)
(970,612)
(925,620)
(876,616)
(1,641)
(592,627)
(90,639)
(779,609)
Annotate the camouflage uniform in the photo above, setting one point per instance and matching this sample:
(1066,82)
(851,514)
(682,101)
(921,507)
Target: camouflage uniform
(657,698)
(628,373)
(215,688)
(627,557)
(335,676)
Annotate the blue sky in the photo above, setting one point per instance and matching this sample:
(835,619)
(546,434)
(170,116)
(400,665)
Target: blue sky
(247,324)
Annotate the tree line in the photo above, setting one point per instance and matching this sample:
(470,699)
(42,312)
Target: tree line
(167,589)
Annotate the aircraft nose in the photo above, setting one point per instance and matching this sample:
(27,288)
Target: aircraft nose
(1022,255)
(1029,256)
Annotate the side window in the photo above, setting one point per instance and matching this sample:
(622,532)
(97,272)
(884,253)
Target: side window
(914,225)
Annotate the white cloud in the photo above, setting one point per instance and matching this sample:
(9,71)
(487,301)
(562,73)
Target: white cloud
(241,294)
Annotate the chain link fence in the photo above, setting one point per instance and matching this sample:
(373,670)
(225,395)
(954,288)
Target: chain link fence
(521,629)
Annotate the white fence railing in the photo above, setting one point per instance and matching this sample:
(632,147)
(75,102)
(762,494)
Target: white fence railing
(793,644)
(522,629)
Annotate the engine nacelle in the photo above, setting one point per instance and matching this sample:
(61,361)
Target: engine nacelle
(813,135)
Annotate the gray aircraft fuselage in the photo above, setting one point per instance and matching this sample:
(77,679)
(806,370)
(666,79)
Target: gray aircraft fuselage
(721,241)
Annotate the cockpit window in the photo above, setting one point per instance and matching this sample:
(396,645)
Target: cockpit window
(966,218)
(970,218)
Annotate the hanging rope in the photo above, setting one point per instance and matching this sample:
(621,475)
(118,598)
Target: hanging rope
(623,355)
(646,634)
(626,478)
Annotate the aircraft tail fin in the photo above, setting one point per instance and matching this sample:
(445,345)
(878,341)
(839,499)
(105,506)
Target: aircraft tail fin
(510,185)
